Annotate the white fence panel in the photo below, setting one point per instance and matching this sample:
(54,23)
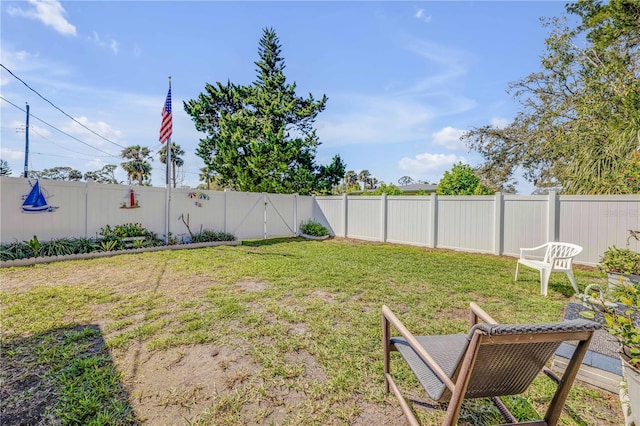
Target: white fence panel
(63,221)
(525,222)
(408,220)
(466,223)
(281,215)
(245,214)
(109,205)
(330,212)
(596,222)
(364,217)
(201,209)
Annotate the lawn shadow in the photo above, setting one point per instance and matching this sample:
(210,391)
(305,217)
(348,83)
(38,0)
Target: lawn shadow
(64,375)
(273,241)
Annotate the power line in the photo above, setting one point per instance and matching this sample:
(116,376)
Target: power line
(63,147)
(54,127)
(52,104)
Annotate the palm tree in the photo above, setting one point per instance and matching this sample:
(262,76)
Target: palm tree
(176,159)
(138,168)
(365,177)
(207,175)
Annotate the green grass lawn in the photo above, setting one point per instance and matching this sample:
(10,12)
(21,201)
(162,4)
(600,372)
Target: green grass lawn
(302,319)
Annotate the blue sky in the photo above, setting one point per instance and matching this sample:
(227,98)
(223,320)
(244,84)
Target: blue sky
(404,79)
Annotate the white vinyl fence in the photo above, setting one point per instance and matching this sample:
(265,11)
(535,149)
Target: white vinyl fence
(498,224)
(81,209)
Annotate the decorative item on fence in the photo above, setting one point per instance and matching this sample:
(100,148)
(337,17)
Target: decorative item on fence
(199,196)
(132,200)
(36,200)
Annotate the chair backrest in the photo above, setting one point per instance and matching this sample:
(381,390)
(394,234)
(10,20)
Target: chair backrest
(555,250)
(509,357)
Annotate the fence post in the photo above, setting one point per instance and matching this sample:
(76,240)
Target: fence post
(552,217)
(434,221)
(383,218)
(264,201)
(345,214)
(224,211)
(497,224)
(86,207)
(295,213)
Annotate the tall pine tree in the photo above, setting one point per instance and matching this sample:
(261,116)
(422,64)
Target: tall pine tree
(260,138)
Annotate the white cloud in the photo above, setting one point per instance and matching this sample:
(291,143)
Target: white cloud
(105,42)
(374,120)
(421,15)
(499,123)
(49,12)
(99,127)
(449,137)
(428,166)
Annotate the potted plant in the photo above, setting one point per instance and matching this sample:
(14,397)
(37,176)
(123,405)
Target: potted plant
(623,322)
(622,265)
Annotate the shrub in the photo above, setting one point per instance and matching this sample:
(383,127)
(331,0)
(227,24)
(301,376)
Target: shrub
(311,227)
(85,245)
(207,235)
(57,247)
(15,251)
(127,230)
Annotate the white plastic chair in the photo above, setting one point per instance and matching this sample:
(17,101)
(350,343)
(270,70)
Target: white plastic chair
(558,257)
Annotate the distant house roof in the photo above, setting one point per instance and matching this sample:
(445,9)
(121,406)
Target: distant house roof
(415,187)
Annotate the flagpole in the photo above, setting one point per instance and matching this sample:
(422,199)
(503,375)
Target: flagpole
(168,195)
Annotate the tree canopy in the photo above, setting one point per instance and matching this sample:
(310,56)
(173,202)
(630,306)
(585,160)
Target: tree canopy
(138,167)
(176,160)
(461,180)
(579,123)
(260,137)
(57,173)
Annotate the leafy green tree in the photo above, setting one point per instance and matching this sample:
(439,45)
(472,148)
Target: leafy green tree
(329,177)
(580,119)
(461,180)
(176,159)
(260,137)
(383,188)
(138,167)
(5,170)
(104,175)
(57,173)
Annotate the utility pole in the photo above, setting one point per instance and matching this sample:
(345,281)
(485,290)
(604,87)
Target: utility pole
(26,146)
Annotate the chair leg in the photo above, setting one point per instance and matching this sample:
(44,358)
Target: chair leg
(386,336)
(544,280)
(403,403)
(517,267)
(573,281)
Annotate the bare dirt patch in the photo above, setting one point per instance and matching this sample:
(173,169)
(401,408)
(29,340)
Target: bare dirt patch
(251,285)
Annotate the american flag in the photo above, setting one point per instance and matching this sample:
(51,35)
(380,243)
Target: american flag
(166,128)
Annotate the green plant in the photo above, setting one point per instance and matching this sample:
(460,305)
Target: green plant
(127,230)
(35,245)
(311,227)
(623,321)
(207,235)
(57,247)
(15,251)
(85,245)
(622,261)
(110,244)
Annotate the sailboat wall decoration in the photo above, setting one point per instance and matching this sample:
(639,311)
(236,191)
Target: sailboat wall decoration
(36,201)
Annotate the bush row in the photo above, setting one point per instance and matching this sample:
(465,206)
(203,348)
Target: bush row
(120,237)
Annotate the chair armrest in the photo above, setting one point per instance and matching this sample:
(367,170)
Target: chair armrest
(388,316)
(477,313)
(523,251)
